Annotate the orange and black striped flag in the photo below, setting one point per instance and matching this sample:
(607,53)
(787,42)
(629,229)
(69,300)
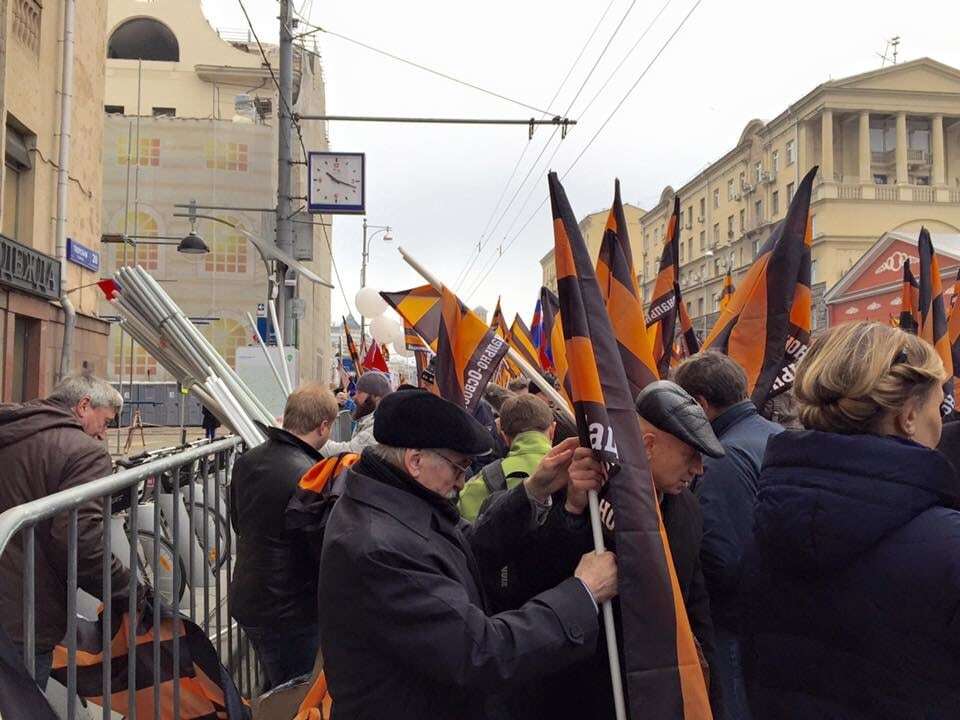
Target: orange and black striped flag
(420,307)
(352,349)
(909,301)
(499,323)
(953,328)
(508,369)
(549,309)
(521,340)
(691,343)
(662,310)
(933,314)
(412,340)
(468,353)
(621,294)
(728,289)
(766,325)
(663,675)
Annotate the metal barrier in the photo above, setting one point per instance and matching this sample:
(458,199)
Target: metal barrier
(207,466)
(342,426)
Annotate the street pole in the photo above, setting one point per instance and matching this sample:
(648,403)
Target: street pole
(284,170)
(363,270)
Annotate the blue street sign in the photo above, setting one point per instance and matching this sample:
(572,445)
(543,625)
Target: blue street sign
(82,255)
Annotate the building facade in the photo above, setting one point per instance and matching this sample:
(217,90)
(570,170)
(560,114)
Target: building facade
(592,227)
(31,320)
(190,114)
(888,146)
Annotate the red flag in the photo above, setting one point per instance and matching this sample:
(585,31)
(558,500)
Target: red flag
(109,287)
(373,360)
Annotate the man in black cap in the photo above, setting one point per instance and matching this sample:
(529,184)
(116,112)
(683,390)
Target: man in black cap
(676,433)
(372,387)
(405,630)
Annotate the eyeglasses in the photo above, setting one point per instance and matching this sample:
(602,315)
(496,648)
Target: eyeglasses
(462,470)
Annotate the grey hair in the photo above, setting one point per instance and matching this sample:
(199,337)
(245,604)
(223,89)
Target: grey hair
(73,388)
(389,454)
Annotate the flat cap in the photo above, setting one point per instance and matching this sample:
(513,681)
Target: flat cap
(669,407)
(374,383)
(420,419)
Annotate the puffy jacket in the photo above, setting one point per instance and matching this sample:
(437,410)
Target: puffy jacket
(43,449)
(526,452)
(275,578)
(727,492)
(851,583)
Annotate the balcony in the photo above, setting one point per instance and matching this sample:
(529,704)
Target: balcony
(889,157)
(885,193)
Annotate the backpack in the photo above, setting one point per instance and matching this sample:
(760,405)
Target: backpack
(496,481)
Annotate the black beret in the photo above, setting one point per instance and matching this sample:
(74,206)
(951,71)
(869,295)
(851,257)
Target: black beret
(420,419)
(669,407)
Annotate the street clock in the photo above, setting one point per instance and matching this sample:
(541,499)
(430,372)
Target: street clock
(337,183)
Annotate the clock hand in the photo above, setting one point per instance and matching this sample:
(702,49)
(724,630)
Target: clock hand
(338,180)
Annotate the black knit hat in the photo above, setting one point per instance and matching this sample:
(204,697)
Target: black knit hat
(670,408)
(420,419)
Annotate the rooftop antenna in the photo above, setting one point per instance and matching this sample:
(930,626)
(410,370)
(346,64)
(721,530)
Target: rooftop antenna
(893,45)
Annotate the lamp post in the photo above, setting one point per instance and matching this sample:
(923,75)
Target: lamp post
(367,239)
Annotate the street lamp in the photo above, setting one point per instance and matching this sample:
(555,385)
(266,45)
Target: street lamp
(367,239)
(193,244)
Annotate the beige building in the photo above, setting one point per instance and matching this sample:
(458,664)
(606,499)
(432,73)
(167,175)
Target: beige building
(191,114)
(888,146)
(31,320)
(592,227)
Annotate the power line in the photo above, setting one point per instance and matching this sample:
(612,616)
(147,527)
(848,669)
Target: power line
(465,270)
(592,139)
(438,73)
(583,84)
(336,270)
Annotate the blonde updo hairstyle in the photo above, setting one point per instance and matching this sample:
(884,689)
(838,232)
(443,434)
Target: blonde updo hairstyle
(856,373)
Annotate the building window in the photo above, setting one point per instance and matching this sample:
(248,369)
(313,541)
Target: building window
(690,248)
(690,216)
(699,307)
(716,198)
(227,156)
(743,181)
(148,156)
(879,179)
(758,211)
(703,240)
(791,152)
(113,109)
(918,137)
(813,225)
(164,112)
(730,226)
(716,234)
(26,23)
(741,257)
(790,191)
(775,203)
(756,248)
(226,336)
(813,271)
(143,39)
(688,307)
(775,160)
(758,172)
(921,180)
(144,364)
(16,173)
(228,254)
(703,209)
(681,252)
(147,256)
(716,266)
(743,220)
(730,189)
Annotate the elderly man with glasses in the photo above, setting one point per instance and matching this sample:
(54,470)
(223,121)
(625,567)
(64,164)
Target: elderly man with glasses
(405,629)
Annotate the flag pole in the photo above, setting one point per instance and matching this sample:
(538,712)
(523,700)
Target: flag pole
(593,501)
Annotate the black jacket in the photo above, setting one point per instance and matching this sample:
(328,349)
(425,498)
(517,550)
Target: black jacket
(404,627)
(727,492)
(275,578)
(852,581)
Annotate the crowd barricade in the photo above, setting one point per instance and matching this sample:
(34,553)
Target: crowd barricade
(173,525)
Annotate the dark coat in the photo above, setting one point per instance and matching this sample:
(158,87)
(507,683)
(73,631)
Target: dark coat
(727,492)
(852,581)
(275,578)
(560,543)
(43,450)
(404,628)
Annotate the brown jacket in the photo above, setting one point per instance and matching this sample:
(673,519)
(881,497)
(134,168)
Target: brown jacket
(43,450)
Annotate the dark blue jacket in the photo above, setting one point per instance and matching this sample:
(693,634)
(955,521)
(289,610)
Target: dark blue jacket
(852,582)
(727,492)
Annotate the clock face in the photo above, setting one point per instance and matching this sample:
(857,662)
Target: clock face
(336,182)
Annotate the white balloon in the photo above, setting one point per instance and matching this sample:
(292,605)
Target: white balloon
(384,329)
(399,339)
(369,302)
(402,351)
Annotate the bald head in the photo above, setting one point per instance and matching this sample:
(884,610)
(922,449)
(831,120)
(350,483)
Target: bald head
(673,463)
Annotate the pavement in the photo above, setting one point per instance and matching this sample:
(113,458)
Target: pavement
(154,438)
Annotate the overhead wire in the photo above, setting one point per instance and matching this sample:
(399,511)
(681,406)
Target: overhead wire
(430,70)
(536,161)
(480,245)
(603,125)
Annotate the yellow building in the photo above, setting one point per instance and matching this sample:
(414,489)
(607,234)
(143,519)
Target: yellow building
(592,227)
(191,114)
(31,319)
(892,163)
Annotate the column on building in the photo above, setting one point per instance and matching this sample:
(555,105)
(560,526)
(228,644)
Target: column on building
(826,146)
(937,149)
(901,152)
(863,137)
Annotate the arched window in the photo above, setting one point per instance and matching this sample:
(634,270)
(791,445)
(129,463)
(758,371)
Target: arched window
(226,336)
(228,252)
(143,39)
(139,223)
(144,364)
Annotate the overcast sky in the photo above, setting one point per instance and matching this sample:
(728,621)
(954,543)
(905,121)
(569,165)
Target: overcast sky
(437,186)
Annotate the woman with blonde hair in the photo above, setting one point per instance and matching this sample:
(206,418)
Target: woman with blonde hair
(851,587)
